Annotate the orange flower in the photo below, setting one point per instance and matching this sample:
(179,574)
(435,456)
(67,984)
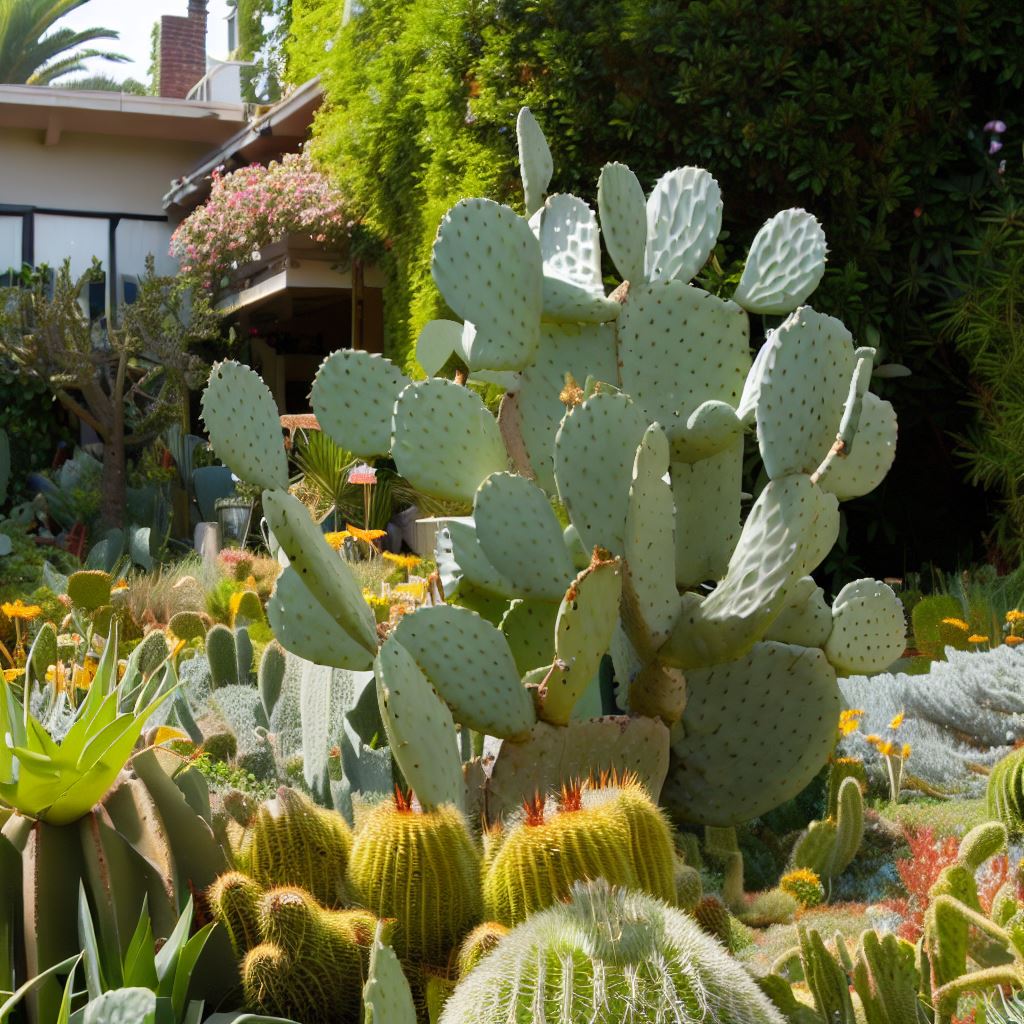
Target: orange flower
(1015,615)
(958,623)
(19,610)
(1012,639)
(977,638)
(849,721)
(407,562)
(336,539)
(367,535)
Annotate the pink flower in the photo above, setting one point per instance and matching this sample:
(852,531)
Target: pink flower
(995,126)
(994,146)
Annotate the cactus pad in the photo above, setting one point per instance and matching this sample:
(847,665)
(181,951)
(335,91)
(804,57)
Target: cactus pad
(594,453)
(436,343)
(684,216)
(435,416)
(387,997)
(581,350)
(680,347)
(469,664)
(460,557)
(353,395)
(806,619)
(420,728)
(785,264)
(623,210)
(804,386)
(871,455)
(651,543)
(514,516)
(583,633)
(487,265)
(325,575)
(535,163)
(89,589)
(753,734)
(242,420)
(570,246)
(556,755)
(529,628)
(869,631)
(304,626)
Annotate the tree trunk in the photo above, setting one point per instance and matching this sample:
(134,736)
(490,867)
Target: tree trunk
(113,480)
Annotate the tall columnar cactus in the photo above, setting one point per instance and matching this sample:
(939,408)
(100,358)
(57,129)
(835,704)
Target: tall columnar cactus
(628,411)
(606,956)
(1006,791)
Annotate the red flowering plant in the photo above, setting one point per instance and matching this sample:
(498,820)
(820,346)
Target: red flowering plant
(256,206)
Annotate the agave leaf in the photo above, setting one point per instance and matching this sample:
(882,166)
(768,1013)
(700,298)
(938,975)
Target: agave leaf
(139,962)
(167,958)
(187,961)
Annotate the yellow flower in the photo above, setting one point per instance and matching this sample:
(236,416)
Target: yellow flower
(121,584)
(407,562)
(897,720)
(1012,640)
(958,623)
(977,638)
(10,674)
(1014,615)
(366,535)
(336,539)
(886,748)
(905,751)
(849,721)
(19,610)
(83,675)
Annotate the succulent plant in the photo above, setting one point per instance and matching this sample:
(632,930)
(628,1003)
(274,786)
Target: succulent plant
(645,459)
(607,956)
(828,847)
(422,869)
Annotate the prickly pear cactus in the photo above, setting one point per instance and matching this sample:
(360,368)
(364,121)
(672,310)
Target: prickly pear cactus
(625,414)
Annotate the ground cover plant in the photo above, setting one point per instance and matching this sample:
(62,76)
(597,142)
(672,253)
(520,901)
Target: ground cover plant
(612,754)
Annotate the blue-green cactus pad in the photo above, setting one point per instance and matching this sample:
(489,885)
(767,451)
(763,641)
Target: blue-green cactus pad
(535,163)
(650,541)
(353,395)
(684,216)
(785,264)
(804,387)
(869,629)
(242,420)
(870,456)
(682,347)
(570,246)
(321,570)
(420,729)
(705,539)
(754,732)
(529,628)
(623,212)
(387,996)
(594,452)
(436,343)
(586,621)
(305,627)
(469,664)
(521,537)
(806,619)
(459,557)
(487,265)
(580,349)
(445,441)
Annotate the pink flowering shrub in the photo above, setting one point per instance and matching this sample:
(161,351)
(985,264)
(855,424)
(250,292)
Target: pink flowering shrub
(254,207)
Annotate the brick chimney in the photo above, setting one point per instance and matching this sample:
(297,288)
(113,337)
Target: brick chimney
(182,50)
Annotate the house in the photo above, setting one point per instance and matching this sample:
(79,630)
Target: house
(105,175)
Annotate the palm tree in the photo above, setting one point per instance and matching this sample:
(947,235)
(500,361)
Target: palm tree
(31,54)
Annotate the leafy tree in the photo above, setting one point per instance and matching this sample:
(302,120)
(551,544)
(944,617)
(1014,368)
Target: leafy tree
(32,54)
(126,380)
(104,83)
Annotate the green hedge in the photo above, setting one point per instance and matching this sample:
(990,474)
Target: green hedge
(868,113)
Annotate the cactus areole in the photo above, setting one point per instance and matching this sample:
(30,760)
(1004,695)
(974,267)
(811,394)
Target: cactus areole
(626,413)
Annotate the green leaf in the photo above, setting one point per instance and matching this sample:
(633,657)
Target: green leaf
(12,1002)
(167,958)
(190,954)
(90,947)
(139,962)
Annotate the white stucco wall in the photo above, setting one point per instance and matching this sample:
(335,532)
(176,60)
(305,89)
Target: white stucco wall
(105,173)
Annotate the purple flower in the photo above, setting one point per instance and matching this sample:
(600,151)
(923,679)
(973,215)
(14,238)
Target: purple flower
(995,126)
(994,146)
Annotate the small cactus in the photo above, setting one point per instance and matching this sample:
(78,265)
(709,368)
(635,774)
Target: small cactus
(689,888)
(713,917)
(293,842)
(478,943)
(234,899)
(804,886)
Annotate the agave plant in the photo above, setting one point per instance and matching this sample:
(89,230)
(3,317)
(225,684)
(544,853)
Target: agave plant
(59,781)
